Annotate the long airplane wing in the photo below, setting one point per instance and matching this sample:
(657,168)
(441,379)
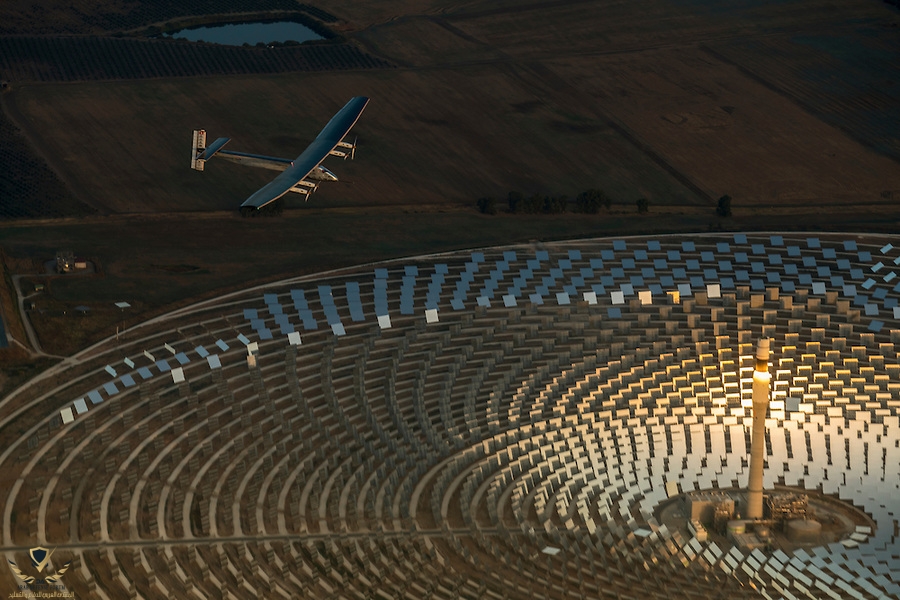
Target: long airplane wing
(327,140)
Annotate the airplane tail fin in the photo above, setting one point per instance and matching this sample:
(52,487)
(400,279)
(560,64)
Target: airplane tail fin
(197,148)
(201,152)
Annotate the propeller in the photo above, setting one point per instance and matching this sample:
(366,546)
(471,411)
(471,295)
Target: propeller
(353,148)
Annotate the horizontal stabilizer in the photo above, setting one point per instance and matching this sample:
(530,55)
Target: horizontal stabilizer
(201,153)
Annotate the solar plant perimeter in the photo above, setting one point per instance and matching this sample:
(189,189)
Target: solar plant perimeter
(499,423)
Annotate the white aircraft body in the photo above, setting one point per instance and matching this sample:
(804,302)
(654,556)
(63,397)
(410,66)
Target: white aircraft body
(302,174)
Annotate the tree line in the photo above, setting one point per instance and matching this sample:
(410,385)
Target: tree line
(589,202)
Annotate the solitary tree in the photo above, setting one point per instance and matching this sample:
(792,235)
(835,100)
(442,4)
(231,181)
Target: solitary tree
(487,206)
(643,205)
(724,207)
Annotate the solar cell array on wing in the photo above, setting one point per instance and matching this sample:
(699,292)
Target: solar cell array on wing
(302,174)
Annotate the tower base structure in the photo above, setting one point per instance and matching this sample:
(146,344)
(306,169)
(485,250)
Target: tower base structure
(792,518)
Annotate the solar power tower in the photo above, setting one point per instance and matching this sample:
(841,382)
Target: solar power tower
(761,381)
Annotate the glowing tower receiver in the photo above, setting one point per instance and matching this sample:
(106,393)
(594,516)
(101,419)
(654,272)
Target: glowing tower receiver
(761,380)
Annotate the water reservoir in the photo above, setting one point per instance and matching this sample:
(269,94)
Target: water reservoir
(238,34)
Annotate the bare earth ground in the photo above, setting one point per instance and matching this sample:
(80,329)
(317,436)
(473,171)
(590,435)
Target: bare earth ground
(428,137)
(677,102)
(694,108)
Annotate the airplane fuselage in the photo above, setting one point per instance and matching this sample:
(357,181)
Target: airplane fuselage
(320,173)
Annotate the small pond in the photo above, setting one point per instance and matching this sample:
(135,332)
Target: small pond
(238,34)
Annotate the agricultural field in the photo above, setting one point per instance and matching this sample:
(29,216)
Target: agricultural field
(28,187)
(725,132)
(95,16)
(863,102)
(429,137)
(100,58)
(786,107)
(542,30)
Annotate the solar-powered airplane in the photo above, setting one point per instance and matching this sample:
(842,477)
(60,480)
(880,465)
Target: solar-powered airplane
(302,174)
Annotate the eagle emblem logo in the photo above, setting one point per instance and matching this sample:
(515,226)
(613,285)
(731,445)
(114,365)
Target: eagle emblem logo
(40,558)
